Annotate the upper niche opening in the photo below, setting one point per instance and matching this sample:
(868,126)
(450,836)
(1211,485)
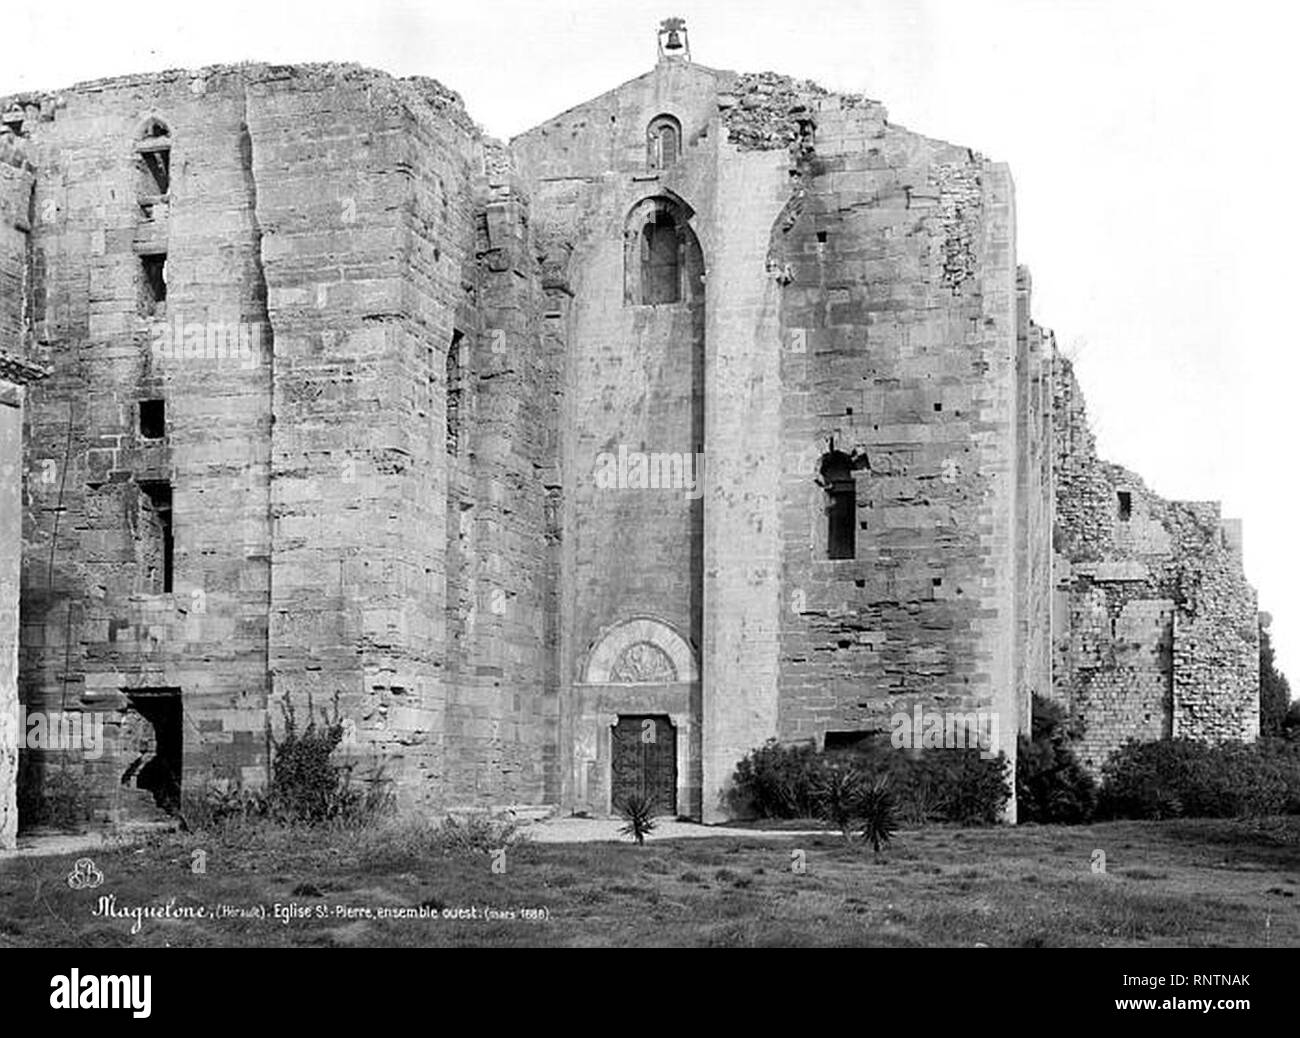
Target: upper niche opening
(662,259)
(661,277)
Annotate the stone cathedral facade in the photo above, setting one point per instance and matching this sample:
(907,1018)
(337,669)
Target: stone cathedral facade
(712,408)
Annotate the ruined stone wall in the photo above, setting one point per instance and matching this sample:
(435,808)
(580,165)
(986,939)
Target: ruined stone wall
(1155,627)
(330,212)
(16,178)
(98,621)
(896,255)
(1216,636)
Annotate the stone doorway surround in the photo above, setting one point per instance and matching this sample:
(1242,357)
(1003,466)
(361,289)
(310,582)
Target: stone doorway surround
(639,666)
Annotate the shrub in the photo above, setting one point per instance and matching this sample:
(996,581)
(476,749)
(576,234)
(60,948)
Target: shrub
(477,833)
(1181,777)
(637,811)
(221,805)
(952,785)
(1051,784)
(60,799)
(1291,721)
(775,781)
(305,785)
(948,785)
(1283,756)
(402,844)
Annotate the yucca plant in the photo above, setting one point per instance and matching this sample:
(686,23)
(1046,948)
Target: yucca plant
(637,810)
(878,814)
(838,794)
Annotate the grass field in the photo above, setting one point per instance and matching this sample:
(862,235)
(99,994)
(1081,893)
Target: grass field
(1177,883)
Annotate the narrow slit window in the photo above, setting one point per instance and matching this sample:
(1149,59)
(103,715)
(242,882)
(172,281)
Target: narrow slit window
(454,389)
(158,543)
(1125,505)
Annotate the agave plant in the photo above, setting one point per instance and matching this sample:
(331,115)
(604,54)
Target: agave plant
(638,811)
(878,813)
(839,794)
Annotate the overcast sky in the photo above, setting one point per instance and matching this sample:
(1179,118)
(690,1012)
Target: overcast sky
(1152,145)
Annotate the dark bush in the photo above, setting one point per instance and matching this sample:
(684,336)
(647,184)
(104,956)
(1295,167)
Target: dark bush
(949,785)
(1282,757)
(1051,785)
(59,799)
(939,785)
(776,781)
(1183,778)
(1291,722)
(307,787)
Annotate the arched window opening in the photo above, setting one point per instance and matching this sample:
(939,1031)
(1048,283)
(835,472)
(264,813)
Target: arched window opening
(154,148)
(841,506)
(661,280)
(663,142)
(662,260)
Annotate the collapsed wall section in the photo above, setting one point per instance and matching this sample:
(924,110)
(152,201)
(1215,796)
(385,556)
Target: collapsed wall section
(1155,627)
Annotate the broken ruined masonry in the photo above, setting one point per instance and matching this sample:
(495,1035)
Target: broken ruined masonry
(903,507)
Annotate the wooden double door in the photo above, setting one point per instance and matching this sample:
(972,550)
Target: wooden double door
(644,761)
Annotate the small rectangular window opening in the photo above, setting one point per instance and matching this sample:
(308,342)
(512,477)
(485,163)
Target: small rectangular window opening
(841,521)
(153,267)
(153,419)
(1125,505)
